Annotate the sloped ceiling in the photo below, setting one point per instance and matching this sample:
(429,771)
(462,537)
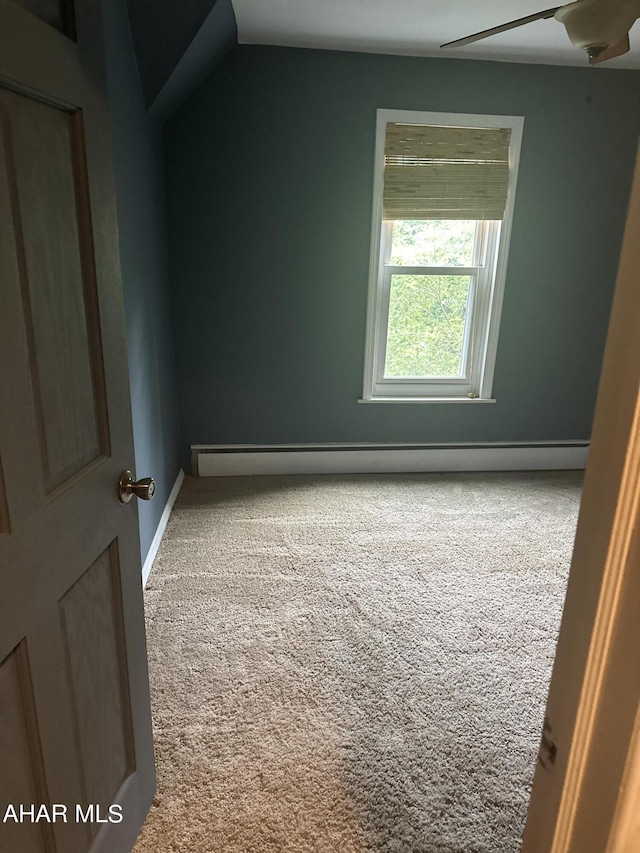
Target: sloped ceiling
(178,42)
(162,30)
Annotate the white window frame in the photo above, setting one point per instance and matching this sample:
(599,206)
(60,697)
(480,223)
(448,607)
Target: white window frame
(487,273)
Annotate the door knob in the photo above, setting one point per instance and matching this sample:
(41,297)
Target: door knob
(128,487)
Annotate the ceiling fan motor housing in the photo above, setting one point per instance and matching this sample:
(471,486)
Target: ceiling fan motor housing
(595,25)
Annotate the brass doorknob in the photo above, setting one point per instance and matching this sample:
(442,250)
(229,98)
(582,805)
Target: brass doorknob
(128,487)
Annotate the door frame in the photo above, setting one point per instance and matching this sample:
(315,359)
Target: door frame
(584,780)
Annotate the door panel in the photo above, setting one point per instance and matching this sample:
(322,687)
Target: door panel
(75,723)
(43,161)
(57,13)
(92,632)
(23,781)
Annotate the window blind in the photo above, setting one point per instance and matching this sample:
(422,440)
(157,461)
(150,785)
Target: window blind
(433,172)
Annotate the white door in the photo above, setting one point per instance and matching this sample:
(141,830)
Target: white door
(590,727)
(75,727)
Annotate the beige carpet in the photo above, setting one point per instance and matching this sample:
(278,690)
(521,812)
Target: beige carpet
(354,663)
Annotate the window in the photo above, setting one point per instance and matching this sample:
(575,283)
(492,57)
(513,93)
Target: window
(444,187)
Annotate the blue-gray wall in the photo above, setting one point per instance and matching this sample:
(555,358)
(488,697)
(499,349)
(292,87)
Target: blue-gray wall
(269,184)
(139,174)
(162,30)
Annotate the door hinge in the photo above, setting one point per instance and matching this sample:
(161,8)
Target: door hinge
(548,747)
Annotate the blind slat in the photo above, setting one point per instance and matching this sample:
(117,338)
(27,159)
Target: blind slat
(431,171)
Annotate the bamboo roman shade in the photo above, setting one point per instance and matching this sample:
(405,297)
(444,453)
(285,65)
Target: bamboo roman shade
(433,172)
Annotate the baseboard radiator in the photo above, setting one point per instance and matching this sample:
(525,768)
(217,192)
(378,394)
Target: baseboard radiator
(231,460)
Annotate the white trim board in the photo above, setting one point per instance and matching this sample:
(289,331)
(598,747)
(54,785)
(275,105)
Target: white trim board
(162,525)
(244,460)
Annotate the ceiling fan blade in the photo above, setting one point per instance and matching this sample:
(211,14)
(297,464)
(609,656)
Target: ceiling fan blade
(519,22)
(613,51)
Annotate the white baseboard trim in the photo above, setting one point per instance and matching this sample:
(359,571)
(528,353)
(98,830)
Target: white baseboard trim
(162,525)
(243,460)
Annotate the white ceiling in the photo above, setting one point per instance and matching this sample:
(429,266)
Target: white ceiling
(416,28)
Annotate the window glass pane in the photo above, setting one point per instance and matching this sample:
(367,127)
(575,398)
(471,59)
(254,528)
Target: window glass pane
(427,315)
(435,242)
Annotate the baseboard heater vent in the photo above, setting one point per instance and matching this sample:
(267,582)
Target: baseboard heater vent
(232,460)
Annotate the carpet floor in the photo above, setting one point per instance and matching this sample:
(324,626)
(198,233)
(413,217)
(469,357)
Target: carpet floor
(354,663)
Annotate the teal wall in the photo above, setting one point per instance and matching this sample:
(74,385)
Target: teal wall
(139,179)
(269,171)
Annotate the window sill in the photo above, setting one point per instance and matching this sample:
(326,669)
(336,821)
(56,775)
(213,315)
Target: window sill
(427,400)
